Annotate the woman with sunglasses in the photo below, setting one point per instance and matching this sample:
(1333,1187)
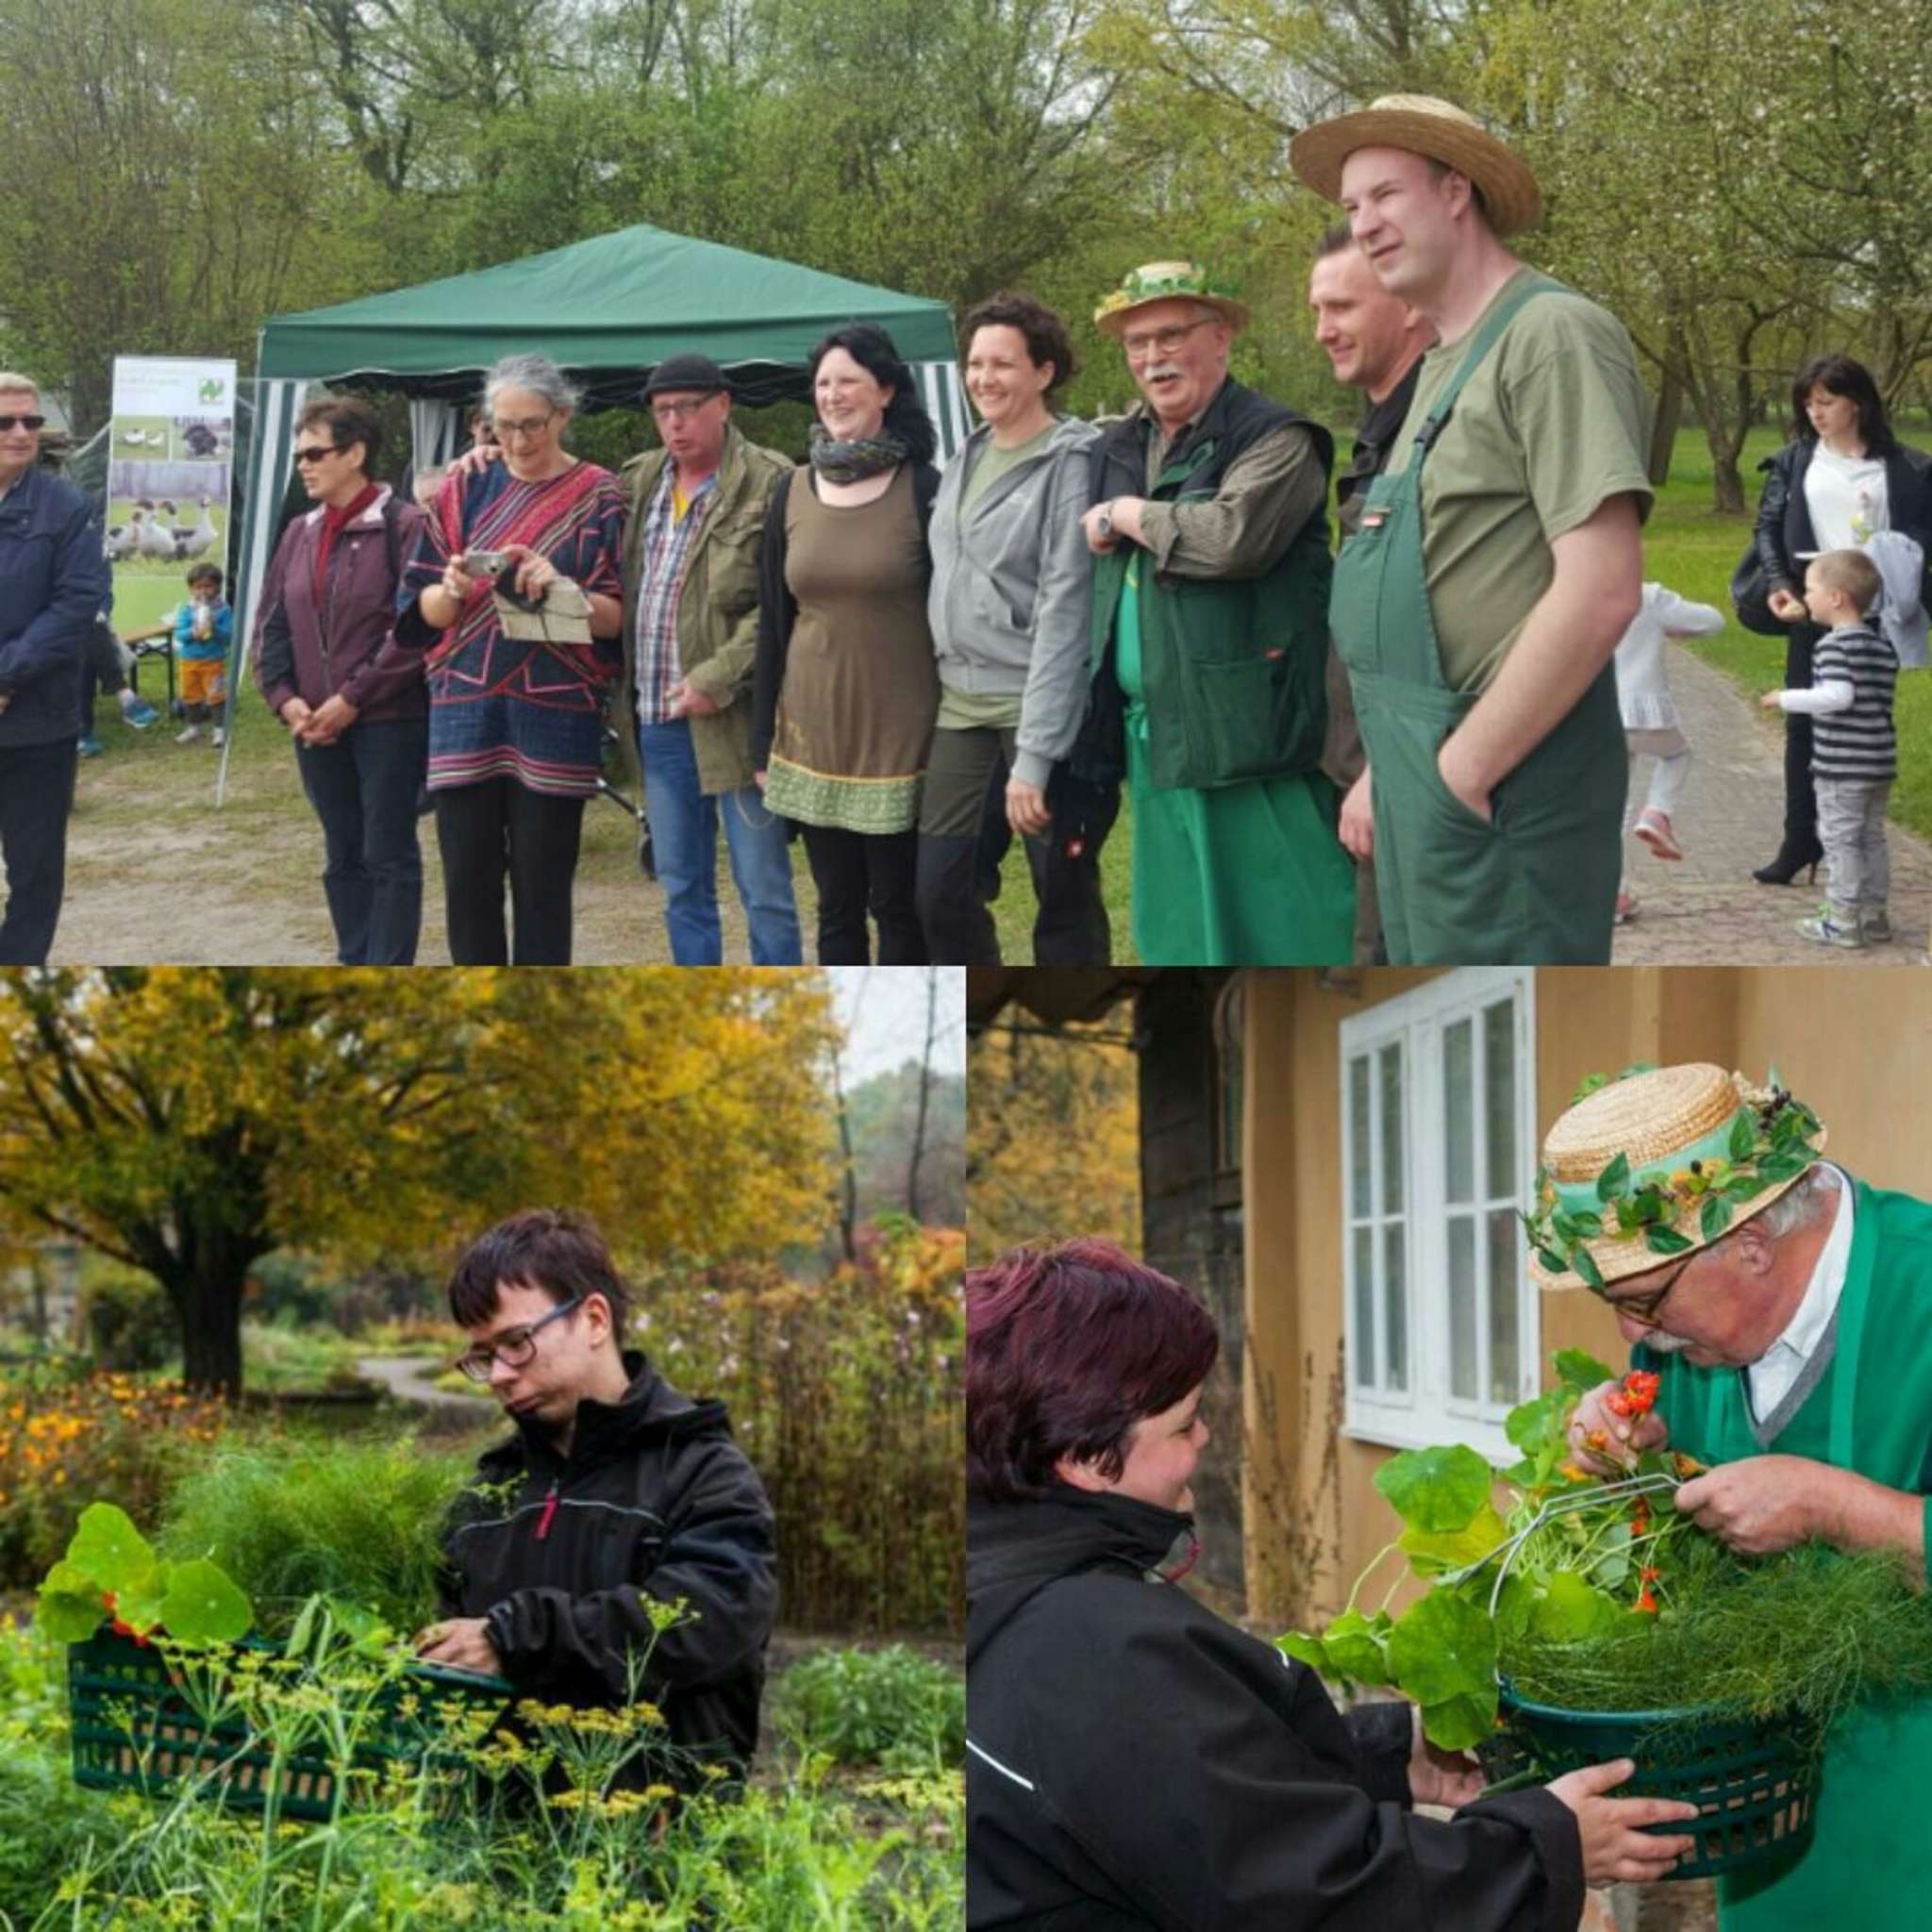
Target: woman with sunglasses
(52,584)
(328,663)
(516,722)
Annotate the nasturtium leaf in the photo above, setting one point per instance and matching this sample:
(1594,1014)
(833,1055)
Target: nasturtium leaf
(1714,1217)
(69,1608)
(138,1603)
(1530,1423)
(1585,1265)
(1442,1647)
(1580,1369)
(1743,1136)
(1666,1240)
(1309,1650)
(1614,1182)
(203,1607)
(1358,1645)
(108,1547)
(1571,1610)
(1436,1489)
(1430,1551)
(1461,1724)
(1515,1605)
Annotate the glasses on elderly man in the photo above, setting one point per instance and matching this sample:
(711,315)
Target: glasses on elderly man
(513,1349)
(1163,341)
(22,423)
(1647,1307)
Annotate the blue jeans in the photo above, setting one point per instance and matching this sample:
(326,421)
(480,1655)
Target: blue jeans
(363,787)
(684,841)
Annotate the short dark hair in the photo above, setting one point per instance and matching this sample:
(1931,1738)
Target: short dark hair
(1048,338)
(347,419)
(201,573)
(1067,1348)
(1842,376)
(1335,238)
(873,349)
(555,1249)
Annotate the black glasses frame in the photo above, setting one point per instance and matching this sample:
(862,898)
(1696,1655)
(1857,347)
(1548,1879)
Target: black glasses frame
(514,1350)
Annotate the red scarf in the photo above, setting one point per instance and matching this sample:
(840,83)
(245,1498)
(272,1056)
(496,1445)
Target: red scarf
(332,521)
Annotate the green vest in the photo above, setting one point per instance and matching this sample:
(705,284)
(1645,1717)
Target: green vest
(1233,667)
(1871,1412)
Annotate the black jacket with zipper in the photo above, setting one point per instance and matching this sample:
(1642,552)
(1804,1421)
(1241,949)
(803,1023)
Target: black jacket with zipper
(1782,532)
(654,1501)
(1134,1762)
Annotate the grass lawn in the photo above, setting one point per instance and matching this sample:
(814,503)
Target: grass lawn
(1686,546)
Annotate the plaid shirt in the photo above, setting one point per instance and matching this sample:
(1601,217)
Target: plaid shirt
(668,539)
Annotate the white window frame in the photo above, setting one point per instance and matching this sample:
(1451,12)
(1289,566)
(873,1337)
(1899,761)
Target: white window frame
(1425,1412)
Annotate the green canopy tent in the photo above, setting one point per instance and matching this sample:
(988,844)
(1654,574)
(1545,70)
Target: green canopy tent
(609,310)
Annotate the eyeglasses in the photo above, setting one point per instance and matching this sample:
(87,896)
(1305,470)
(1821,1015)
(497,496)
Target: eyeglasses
(530,426)
(23,421)
(314,452)
(1163,341)
(1647,1307)
(512,1350)
(681,413)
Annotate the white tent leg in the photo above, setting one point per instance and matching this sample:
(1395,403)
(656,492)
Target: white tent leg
(945,402)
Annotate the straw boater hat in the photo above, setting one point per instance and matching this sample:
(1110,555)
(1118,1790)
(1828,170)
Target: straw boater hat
(1166,281)
(1658,1162)
(1421,125)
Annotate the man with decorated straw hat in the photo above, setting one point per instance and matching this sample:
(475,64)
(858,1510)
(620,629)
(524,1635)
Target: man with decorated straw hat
(1787,1310)
(1210,593)
(1498,557)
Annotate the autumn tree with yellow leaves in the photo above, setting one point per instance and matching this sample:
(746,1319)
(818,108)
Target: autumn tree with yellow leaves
(186,1121)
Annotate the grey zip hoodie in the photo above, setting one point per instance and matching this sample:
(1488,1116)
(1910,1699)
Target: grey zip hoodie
(1012,588)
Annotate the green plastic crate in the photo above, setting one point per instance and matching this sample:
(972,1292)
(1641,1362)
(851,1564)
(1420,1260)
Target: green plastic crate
(1756,1783)
(135,1729)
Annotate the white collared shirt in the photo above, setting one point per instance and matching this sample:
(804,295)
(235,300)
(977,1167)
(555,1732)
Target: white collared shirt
(1771,1375)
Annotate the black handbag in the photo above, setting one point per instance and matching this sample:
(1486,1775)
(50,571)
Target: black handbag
(1751,596)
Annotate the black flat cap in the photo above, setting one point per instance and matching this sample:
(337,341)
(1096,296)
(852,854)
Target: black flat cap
(697,375)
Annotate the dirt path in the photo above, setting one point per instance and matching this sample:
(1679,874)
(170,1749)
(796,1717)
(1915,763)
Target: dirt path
(408,1379)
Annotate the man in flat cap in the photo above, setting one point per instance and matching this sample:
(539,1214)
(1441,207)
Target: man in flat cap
(691,582)
(1498,558)
(1211,590)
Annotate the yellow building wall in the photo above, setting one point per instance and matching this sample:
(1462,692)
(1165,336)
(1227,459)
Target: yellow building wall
(1856,1046)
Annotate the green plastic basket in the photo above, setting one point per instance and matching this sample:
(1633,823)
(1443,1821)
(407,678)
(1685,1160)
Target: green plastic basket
(135,1728)
(1756,1783)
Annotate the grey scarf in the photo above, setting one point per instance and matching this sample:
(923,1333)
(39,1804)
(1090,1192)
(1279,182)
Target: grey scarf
(852,462)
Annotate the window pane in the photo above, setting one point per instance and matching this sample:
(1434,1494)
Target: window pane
(1505,1240)
(1499,1088)
(1359,1150)
(1462,1377)
(1458,1163)
(1391,1130)
(1365,1308)
(1395,1302)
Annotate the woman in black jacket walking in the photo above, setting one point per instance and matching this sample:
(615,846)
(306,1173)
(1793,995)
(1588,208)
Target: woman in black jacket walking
(1842,477)
(1136,1762)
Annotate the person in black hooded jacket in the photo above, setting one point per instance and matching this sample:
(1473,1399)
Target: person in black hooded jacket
(616,1496)
(1133,1761)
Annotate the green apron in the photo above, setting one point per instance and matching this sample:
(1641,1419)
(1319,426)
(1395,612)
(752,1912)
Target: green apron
(1868,1412)
(1246,874)
(1536,886)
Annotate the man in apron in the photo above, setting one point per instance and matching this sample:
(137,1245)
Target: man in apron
(1210,593)
(1790,1352)
(1376,342)
(1498,558)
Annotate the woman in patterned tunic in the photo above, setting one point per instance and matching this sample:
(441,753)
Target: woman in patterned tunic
(844,691)
(516,724)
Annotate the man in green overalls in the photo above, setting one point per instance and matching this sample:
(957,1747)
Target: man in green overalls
(1210,593)
(1498,559)
(1792,1342)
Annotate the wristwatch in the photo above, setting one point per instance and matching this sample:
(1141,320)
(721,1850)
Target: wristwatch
(1104,525)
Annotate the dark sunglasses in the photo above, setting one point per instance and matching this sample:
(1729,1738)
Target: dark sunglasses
(23,421)
(315,451)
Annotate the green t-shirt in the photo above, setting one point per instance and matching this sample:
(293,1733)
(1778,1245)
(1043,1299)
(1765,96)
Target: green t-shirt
(994,462)
(979,711)
(1553,423)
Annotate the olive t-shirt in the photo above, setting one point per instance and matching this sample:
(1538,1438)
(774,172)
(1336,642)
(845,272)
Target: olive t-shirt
(1551,423)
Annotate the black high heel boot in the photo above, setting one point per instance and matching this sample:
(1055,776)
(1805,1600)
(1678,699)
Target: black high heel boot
(1790,862)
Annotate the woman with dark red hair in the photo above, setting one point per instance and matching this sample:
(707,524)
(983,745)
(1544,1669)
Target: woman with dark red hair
(1135,1761)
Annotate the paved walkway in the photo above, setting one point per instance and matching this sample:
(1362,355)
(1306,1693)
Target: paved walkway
(1708,910)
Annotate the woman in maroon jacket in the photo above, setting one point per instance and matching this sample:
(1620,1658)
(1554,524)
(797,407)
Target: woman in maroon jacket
(353,699)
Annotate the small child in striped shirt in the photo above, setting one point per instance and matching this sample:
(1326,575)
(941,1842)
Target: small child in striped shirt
(1854,746)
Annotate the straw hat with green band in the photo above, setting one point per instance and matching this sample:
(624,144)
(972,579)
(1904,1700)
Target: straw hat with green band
(1168,281)
(1658,1162)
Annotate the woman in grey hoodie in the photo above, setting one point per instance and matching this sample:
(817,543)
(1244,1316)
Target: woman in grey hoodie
(1008,608)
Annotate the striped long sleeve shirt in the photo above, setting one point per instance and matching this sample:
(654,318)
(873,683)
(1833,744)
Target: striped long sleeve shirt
(1854,672)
